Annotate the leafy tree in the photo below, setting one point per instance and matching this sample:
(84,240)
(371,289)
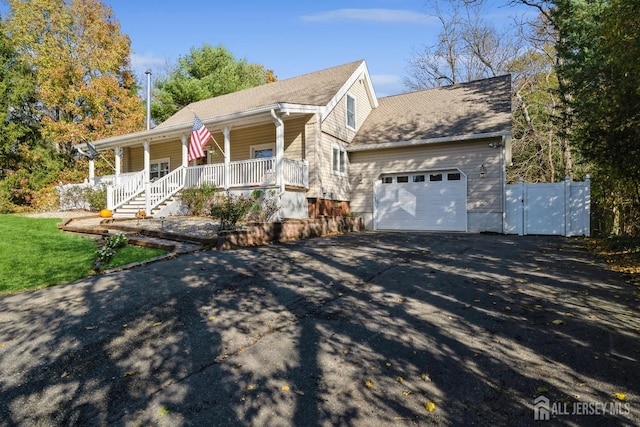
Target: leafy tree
(81,65)
(599,47)
(204,73)
(19,121)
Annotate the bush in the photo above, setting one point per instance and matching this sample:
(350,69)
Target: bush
(230,209)
(96,197)
(265,206)
(198,200)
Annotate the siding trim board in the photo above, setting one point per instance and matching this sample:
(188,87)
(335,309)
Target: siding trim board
(417,142)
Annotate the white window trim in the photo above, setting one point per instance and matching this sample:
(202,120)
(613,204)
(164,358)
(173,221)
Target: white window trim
(355,115)
(343,152)
(158,162)
(259,147)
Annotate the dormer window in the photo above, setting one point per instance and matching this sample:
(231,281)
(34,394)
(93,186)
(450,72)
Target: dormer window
(351,112)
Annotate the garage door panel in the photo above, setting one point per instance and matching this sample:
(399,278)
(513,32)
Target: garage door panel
(440,205)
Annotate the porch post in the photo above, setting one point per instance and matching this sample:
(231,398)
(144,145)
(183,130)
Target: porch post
(118,153)
(147,172)
(227,157)
(185,151)
(279,149)
(92,172)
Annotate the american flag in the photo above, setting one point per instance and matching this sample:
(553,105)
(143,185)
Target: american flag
(199,137)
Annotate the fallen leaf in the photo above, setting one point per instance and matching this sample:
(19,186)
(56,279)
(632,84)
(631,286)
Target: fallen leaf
(406,393)
(621,396)
(157,323)
(251,387)
(399,379)
(285,388)
(163,411)
(553,292)
(558,322)
(430,406)
(425,377)
(130,373)
(125,325)
(369,383)
(212,317)
(542,390)
(399,300)
(340,294)
(64,374)
(345,351)
(388,363)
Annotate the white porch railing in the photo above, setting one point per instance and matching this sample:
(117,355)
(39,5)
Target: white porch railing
(128,188)
(295,173)
(209,174)
(243,173)
(111,179)
(252,172)
(163,188)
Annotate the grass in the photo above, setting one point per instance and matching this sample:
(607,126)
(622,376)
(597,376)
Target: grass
(35,254)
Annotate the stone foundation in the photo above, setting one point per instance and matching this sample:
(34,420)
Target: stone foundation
(287,230)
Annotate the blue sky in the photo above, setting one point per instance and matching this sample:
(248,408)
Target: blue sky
(289,37)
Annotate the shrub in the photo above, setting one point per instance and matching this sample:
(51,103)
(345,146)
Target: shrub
(198,200)
(230,209)
(109,249)
(96,197)
(265,205)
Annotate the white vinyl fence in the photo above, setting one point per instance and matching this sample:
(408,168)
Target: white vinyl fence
(561,208)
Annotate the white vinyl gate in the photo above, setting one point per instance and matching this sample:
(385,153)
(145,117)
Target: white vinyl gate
(549,208)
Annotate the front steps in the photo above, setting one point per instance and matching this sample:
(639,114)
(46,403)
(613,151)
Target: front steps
(136,206)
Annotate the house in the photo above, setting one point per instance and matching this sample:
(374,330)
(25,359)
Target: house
(427,160)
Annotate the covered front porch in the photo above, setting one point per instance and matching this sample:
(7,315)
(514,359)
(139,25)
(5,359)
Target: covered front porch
(237,175)
(152,166)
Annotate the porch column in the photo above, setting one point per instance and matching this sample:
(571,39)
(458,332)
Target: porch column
(185,151)
(227,157)
(147,161)
(147,173)
(92,172)
(279,149)
(118,153)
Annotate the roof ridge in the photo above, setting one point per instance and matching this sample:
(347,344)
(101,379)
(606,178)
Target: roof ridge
(452,86)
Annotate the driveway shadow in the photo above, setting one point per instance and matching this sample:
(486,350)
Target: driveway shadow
(360,329)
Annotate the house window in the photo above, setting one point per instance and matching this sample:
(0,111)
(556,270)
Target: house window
(339,160)
(453,176)
(263,151)
(387,179)
(418,178)
(158,168)
(351,112)
(402,179)
(435,177)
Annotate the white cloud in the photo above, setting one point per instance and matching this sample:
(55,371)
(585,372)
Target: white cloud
(387,84)
(393,16)
(148,61)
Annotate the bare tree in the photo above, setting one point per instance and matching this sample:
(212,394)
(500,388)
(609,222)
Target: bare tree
(468,48)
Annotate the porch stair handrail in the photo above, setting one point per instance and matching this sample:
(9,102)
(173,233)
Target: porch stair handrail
(130,187)
(163,188)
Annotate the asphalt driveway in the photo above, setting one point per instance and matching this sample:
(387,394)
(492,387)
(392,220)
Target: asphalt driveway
(364,329)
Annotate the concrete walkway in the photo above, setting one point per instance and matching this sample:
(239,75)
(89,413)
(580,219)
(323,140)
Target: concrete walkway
(364,329)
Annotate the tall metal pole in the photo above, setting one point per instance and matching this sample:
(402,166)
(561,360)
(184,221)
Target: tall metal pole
(148,73)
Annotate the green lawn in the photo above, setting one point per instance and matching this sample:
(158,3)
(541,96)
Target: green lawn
(35,254)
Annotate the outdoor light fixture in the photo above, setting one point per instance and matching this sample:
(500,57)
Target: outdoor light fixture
(483,171)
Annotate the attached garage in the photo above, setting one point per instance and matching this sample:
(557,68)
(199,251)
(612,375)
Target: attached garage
(429,201)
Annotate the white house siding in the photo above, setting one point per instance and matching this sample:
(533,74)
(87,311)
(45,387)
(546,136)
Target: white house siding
(484,195)
(336,187)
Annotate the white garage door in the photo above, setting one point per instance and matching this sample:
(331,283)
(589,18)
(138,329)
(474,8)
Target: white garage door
(421,201)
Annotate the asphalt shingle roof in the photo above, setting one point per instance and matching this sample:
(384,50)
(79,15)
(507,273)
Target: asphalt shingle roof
(315,89)
(482,106)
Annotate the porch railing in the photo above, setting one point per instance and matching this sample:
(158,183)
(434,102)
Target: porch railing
(295,172)
(129,187)
(209,174)
(112,180)
(252,172)
(243,173)
(163,188)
